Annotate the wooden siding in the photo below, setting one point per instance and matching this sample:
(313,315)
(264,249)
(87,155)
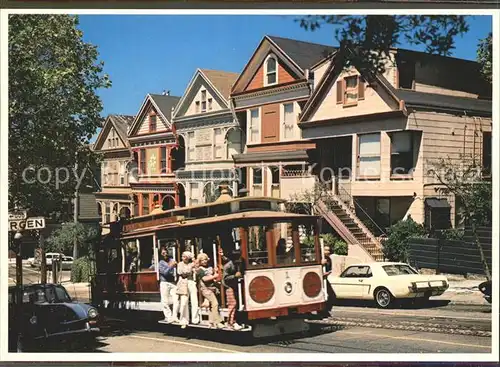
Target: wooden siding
(161,124)
(374,101)
(270,123)
(458,138)
(257,81)
(118,141)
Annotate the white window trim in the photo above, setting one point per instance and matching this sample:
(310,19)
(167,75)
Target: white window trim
(259,123)
(201,101)
(188,146)
(270,56)
(282,122)
(223,144)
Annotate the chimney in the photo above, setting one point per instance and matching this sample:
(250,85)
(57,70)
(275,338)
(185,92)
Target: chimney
(165,93)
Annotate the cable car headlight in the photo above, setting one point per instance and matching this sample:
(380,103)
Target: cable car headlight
(288,287)
(92,313)
(33,320)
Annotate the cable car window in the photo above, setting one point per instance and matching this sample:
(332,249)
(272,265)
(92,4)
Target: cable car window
(257,246)
(307,243)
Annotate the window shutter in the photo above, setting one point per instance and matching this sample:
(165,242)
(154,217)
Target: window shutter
(361,88)
(340,91)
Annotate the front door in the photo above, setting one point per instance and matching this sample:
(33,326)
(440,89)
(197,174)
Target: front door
(353,282)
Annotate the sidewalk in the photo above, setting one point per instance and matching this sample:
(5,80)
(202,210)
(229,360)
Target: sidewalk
(463,292)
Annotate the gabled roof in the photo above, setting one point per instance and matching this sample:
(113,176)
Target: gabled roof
(410,98)
(163,105)
(221,80)
(304,54)
(298,55)
(121,123)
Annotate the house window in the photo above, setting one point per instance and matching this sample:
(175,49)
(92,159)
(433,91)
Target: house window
(210,104)
(406,74)
(350,90)
(254,125)
(145,204)
(369,156)
(136,206)
(401,153)
(197,106)
(487,153)
(143,161)
(122,173)
(191,144)
(203,101)
(271,74)
(257,181)
(218,144)
(288,120)
(105,173)
(275,182)
(195,193)
(152,123)
(163,159)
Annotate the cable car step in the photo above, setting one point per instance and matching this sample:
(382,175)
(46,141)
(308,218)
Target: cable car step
(205,326)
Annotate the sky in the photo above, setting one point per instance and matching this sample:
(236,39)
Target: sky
(151,53)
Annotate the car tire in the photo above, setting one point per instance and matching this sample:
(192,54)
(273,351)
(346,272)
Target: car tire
(383,297)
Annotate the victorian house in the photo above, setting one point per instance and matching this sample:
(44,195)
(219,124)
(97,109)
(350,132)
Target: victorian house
(267,99)
(156,155)
(114,198)
(381,137)
(205,125)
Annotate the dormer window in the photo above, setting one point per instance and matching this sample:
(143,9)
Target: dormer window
(152,123)
(271,74)
(350,90)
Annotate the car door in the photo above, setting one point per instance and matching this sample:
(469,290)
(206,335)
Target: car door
(349,283)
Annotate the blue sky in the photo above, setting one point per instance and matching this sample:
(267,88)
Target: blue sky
(151,53)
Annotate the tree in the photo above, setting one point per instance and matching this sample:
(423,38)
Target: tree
(465,182)
(53,110)
(396,246)
(484,58)
(63,239)
(372,36)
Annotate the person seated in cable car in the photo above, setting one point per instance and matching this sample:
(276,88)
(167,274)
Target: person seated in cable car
(208,277)
(232,273)
(282,255)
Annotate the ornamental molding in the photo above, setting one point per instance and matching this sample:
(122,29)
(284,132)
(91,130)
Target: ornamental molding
(272,92)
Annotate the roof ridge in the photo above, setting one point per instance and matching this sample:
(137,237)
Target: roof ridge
(296,40)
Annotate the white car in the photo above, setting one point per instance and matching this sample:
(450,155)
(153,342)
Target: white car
(386,281)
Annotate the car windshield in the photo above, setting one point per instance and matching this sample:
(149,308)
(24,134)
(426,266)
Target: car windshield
(55,294)
(392,270)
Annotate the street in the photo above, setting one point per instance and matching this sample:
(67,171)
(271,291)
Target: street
(32,275)
(442,329)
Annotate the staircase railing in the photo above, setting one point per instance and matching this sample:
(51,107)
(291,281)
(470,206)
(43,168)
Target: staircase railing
(343,193)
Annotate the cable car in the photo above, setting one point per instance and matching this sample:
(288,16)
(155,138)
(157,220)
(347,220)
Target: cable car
(282,279)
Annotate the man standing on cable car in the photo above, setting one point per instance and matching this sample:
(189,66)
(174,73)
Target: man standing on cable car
(167,285)
(327,266)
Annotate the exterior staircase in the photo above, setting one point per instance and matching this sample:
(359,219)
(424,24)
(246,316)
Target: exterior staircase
(352,230)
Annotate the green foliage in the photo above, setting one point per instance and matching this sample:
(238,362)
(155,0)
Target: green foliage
(337,246)
(396,246)
(372,36)
(54,109)
(454,234)
(63,239)
(82,270)
(484,57)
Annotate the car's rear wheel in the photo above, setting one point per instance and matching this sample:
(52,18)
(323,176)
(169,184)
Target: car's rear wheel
(383,298)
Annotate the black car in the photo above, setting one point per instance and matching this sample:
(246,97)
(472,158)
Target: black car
(48,314)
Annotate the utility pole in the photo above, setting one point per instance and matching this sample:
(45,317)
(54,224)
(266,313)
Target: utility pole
(43,264)
(75,215)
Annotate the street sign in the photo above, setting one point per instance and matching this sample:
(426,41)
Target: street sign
(28,224)
(20,215)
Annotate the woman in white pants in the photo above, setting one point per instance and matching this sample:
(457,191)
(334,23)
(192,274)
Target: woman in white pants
(185,272)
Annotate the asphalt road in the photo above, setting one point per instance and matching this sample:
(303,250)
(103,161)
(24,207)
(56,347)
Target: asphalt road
(338,337)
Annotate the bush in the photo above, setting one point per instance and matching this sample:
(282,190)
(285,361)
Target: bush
(337,246)
(82,270)
(396,246)
(452,234)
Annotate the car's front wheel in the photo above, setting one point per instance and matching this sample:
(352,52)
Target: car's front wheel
(383,298)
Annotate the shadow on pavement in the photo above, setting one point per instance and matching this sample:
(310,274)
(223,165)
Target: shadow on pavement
(399,304)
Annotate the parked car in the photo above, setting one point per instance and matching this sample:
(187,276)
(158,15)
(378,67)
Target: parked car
(385,282)
(49,256)
(67,262)
(48,314)
(485,288)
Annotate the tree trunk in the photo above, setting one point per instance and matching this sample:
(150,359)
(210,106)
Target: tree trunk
(481,252)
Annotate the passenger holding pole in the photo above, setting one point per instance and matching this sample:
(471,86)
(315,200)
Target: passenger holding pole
(230,282)
(207,278)
(185,272)
(167,286)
